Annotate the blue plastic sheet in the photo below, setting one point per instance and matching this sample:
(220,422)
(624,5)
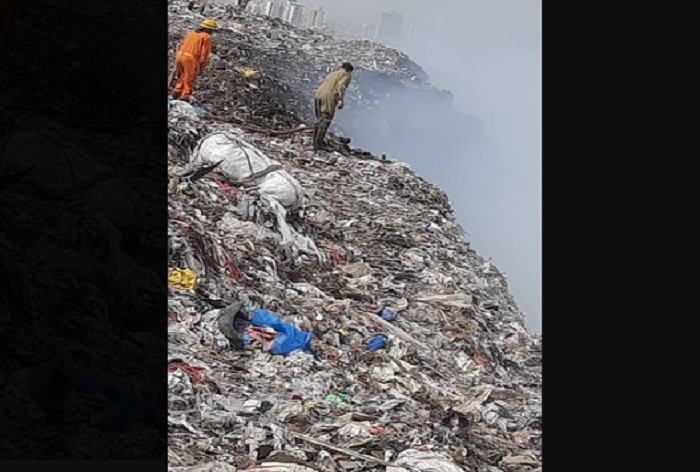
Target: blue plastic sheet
(289,338)
(388,314)
(377,343)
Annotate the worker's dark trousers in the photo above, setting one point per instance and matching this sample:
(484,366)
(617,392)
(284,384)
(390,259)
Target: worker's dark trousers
(323,122)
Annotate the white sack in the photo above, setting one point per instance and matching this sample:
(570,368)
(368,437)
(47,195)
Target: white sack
(245,164)
(423,461)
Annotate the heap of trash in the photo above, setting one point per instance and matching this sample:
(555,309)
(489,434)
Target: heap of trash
(378,339)
(251,53)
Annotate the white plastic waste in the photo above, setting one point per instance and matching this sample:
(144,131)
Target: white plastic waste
(245,164)
(423,461)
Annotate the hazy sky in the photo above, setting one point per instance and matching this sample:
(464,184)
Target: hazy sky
(488,53)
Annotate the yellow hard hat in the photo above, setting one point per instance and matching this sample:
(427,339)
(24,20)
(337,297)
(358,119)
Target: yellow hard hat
(209,24)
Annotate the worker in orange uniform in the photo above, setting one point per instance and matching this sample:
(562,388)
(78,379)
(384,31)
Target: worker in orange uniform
(192,57)
(9,19)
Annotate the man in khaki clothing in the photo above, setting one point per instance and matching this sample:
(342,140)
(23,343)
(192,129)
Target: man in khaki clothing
(329,96)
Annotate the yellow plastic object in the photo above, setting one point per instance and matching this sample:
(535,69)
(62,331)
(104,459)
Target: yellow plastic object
(209,24)
(184,279)
(250,73)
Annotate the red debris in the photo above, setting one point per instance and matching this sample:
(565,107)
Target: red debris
(481,360)
(337,258)
(262,335)
(196,374)
(233,271)
(380,430)
(229,192)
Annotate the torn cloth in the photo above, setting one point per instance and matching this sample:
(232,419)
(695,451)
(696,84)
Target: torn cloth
(196,374)
(266,337)
(289,338)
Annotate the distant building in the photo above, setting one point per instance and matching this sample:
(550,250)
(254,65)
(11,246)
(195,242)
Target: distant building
(283,10)
(266,7)
(294,13)
(287,10)
(276,9)
(315,18)
(255,7)
(410,30)
(391,27)
(370,32)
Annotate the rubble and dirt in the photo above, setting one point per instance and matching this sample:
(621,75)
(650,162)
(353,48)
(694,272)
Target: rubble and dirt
(292,62)
(367,249)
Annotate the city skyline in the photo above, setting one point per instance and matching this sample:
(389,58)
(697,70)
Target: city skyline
(291,11)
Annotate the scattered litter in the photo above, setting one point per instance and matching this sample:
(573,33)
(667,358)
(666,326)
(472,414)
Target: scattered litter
(388,314)
(285,337)
(378,342)
(250,73)
(424,461)
(184,279)
(339,398)
(329,253)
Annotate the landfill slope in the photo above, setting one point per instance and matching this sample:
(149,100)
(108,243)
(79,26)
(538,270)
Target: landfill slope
(458,385)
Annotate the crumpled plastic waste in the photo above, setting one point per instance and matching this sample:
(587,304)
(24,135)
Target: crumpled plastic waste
(337,398)
(239,162)
(461,375)
(200,110)
(196,374)
(377,343)
(424,461)
(265,336)
(183,279)
(215,466)
(250,73)
(288,337)
(387,314)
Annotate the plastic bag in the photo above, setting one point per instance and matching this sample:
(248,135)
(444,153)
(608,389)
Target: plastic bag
(243,163)
(289,337)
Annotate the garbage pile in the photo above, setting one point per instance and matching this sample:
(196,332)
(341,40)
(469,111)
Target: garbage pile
(408,352)
(291,62)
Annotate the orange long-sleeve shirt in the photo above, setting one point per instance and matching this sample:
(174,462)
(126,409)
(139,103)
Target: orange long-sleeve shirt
(199,45)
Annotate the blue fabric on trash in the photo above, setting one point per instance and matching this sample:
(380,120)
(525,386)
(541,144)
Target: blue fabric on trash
(387,314)
(377,343)
(289,338)
(125,407)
